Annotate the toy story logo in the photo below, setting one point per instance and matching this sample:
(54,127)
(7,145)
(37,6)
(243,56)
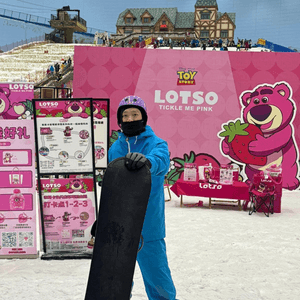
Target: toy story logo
(186,77)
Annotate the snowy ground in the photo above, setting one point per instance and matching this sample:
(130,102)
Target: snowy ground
(218,253)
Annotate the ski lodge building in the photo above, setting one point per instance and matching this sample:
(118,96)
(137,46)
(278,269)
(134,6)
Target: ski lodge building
(205,22)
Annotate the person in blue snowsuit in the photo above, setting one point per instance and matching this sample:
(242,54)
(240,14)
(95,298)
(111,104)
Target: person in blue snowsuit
(139,144)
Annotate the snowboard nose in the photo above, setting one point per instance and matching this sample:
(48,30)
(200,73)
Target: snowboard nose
(260,112)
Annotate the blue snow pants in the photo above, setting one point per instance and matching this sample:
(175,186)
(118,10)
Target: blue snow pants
(153,263)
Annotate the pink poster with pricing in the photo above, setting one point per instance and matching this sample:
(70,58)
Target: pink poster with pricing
(194,96)
(17,189)
(69,212)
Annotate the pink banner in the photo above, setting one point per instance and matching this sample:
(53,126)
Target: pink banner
(17,189)
(63,109)
(192,96)
(69,212)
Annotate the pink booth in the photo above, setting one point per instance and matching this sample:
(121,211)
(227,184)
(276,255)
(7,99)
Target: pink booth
(195,99)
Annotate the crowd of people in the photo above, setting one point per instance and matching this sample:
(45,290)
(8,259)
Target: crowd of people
(220,43)
(58,68)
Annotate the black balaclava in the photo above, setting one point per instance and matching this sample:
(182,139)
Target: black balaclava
(135,127)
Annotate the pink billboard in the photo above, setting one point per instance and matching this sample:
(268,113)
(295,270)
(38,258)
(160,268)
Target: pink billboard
(201,103)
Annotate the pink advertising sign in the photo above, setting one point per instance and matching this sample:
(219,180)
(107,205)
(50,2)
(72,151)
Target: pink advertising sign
(16,100)
(17,189)
(201,102)
(69,212)
(64,139)
(100,113)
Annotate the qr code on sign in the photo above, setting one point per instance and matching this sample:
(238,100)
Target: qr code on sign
(9,239)
(25,239)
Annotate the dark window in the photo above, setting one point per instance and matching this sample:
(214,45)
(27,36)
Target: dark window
(146,20)
(204,34)
(128,20)
(128,30)
(205,16)
(224,33)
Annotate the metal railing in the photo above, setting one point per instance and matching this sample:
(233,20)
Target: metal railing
(23,16)
(13,45)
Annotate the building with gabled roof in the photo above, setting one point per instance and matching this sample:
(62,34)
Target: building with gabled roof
(212,24)
(206,22)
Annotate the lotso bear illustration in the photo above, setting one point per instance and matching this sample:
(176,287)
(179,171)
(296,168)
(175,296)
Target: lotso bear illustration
(267,136)
(97,110)
(7,158)
(75,108)
(76,185)
(9,110)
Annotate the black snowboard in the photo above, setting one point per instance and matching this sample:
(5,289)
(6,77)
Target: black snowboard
(123,204)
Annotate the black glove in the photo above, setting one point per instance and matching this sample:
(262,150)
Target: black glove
(134,161)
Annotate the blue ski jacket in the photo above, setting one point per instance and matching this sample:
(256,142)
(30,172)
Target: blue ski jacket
(156,151)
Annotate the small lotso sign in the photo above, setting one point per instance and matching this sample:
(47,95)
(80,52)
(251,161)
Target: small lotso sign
(81,185)
(71,108)
(15,100)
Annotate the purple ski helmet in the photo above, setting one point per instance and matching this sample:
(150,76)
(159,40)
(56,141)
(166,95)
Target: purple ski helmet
(132,101)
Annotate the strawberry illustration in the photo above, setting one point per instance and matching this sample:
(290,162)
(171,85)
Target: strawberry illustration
(177,164)
(238,136)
